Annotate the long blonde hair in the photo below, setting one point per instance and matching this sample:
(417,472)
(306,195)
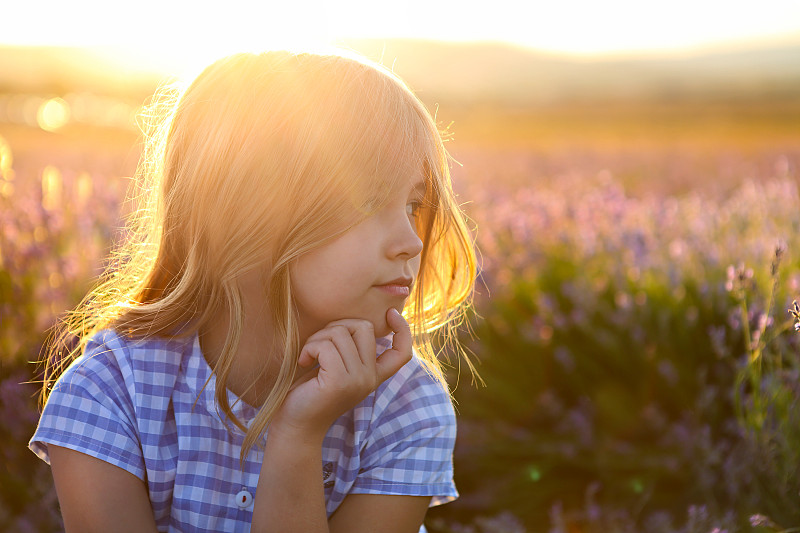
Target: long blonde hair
(262,158)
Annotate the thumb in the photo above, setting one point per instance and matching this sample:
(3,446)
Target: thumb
(393,359)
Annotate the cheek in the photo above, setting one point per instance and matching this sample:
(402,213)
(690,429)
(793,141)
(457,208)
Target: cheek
(323,283)
(306,282)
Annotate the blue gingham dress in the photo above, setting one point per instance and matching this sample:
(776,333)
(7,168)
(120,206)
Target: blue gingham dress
(141,405)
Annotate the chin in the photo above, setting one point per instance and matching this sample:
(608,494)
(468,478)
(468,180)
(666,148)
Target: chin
(381,329)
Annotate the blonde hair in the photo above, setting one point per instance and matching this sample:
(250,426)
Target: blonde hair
(262,158)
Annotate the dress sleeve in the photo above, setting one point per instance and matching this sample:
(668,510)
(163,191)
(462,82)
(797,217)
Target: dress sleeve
(90,409)
(409,449)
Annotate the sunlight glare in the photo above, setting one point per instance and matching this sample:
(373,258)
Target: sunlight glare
(179,38)
(6,158)
(183,50)
(53,114)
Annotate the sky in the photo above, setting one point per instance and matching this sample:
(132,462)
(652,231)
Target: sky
(190,32)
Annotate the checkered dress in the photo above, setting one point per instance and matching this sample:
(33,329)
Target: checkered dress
(144,405)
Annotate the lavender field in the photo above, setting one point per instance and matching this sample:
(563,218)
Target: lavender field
(631,324)
(641,367)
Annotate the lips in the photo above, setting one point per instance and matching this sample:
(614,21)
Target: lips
(400,287)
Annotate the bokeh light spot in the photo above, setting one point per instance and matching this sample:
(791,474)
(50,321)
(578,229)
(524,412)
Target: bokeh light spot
(53,114)
(84,188)
(6,189)
(534,474)
(51,187)
(6,158)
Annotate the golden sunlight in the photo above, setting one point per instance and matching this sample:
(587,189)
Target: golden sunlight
(171,36)
(51,188)
(53,114)
(6,158)
(180,35)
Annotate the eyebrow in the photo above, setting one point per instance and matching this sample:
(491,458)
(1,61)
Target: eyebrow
(420,187)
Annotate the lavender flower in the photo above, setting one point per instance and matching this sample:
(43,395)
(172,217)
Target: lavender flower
(794,310)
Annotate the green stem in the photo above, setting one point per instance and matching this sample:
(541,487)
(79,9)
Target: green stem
(745,325)
(751,417)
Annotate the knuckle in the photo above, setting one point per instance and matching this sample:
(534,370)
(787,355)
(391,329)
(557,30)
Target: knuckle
(319,342)
(340,331)
(327,345)
(308,347)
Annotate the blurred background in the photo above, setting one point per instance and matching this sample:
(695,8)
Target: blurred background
(631,174)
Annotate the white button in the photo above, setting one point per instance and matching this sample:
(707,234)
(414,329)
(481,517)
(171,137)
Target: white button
(244,499)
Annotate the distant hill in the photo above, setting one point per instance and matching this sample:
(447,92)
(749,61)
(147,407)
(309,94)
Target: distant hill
(466,73)
(498,72)
(59,70)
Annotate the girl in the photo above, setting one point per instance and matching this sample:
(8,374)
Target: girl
(225,376)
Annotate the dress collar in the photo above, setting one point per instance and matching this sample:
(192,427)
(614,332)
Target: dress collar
(202,381)
(203,384)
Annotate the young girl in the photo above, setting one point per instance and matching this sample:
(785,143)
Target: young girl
(244,363)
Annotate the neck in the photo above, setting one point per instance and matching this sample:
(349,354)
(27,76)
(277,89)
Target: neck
(256,359)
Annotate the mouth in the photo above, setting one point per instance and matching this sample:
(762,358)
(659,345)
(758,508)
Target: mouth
(400,287)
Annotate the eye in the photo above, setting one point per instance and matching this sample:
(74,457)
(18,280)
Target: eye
(413,207)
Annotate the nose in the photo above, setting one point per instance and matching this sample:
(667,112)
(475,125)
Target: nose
(404,241)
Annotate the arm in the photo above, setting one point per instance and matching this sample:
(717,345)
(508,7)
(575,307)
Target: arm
(291,481)
(88,435)
(82,481)
(363,513)
(290,494)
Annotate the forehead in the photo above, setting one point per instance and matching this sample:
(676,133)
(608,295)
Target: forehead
(418,184)
(393,151)
(413,182)
(391,168)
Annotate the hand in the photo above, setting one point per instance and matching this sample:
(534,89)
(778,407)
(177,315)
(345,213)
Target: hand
(348,372)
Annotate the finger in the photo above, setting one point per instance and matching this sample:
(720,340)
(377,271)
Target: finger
(308,355)
(363,333)
(345,345)
(401,340)
(323,352)
(312,348)
(399,354)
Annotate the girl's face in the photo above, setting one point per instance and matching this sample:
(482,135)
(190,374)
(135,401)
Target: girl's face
(367,270)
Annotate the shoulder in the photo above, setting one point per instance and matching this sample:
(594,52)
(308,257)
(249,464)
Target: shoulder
(112,358)
(409,444)
(117,377)
(118,388)
(414,396)
(111,396)
(416,383)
